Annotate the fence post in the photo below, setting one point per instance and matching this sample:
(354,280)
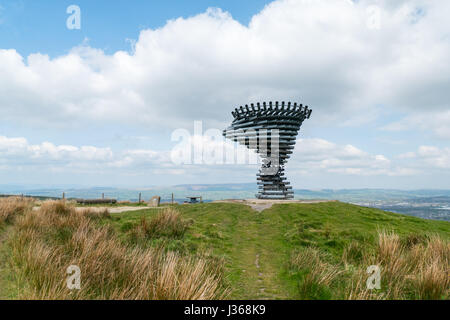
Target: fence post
(139,198)
(64,195)
(172,197)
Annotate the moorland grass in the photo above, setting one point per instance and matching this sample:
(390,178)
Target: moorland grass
(46,241)
(290,251)
(12,207)
(345,237)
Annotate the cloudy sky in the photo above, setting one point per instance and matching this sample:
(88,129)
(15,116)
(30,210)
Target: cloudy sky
(101,105)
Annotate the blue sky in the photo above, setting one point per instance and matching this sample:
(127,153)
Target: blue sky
(39,26)
(98,106)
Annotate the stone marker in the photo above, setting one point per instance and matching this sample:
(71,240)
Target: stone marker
(154,201)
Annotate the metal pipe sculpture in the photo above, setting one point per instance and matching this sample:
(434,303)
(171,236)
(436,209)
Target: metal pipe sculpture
(271,131)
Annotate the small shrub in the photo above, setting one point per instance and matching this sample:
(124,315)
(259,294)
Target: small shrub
(414,239)
(127,226)
(167,223)
(306,259)
(353,253)
(97,214)
(12,207)
(60,207)
(311,288)
(318,274)
(327,231)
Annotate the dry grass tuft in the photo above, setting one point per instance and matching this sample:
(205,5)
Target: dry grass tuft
(45,242)
(389,246)
(354,253)
(319,273)
(12,207)
(60,207)
(414,267)
(167,223)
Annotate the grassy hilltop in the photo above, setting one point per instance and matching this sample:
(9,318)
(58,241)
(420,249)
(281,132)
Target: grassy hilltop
(221,250)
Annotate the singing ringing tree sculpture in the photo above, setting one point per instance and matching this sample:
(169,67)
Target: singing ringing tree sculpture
(271,131)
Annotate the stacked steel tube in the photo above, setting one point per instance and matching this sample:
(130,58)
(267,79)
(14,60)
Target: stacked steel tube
(271,130)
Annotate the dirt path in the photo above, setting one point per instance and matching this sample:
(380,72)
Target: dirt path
(260,254)
(259,259)
(246,255)
(121,209)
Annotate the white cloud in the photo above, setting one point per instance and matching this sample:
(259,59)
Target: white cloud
(318,155)
(435,157)
(319,53)
(429,156)
(316,52)
(437,123)
(310,156)
(18,150)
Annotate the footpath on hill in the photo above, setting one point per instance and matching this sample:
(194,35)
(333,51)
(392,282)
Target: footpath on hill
(257,252)
(257,260)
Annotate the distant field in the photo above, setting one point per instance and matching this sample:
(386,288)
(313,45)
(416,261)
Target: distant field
(25,196)
(428,204)
(290,251)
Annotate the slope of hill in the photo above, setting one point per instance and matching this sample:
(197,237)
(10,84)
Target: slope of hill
(259,247)
(291,251)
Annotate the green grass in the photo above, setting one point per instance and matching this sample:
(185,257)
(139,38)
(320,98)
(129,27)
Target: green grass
(8,286)
(242,236)
(257,247)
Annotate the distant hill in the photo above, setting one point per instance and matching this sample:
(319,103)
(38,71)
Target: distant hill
(430,204)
